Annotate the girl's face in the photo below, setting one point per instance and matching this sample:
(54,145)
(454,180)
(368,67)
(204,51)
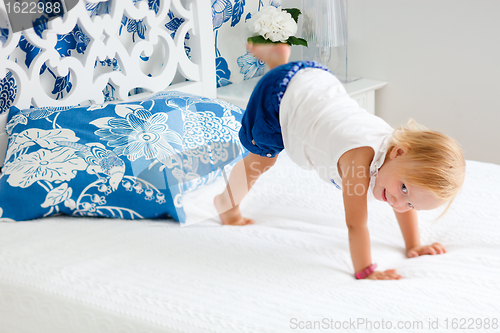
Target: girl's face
(392,188)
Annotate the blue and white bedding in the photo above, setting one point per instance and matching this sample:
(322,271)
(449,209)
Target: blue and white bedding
(128,160)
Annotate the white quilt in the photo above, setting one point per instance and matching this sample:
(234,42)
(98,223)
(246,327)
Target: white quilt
(291,271)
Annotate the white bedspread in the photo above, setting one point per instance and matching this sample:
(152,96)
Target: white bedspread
(287,271)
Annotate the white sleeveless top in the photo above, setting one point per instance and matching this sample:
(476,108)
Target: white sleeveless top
(320,122)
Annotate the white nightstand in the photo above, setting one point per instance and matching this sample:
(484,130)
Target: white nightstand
(362,91)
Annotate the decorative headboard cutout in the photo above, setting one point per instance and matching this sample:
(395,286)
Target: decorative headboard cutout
(120,33)
(104,50)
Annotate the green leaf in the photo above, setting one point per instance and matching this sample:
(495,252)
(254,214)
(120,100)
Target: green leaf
(296,41)
(259,40)
(290,41)
(295,12)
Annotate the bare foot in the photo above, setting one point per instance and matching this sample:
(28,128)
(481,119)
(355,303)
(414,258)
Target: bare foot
(272,54)
(229,216)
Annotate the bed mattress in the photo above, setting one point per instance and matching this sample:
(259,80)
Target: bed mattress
(290,271)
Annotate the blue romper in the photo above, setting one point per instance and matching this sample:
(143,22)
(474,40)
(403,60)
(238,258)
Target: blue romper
(260,130)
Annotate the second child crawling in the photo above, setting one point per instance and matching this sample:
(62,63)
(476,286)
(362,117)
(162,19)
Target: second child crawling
(303,107)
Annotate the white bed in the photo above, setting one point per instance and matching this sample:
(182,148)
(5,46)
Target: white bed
(86,275)
(290,271)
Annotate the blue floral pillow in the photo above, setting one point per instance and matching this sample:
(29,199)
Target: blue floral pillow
(130,160)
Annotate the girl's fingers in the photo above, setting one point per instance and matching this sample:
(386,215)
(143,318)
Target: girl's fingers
(389,274)
(439,247)
(430,250)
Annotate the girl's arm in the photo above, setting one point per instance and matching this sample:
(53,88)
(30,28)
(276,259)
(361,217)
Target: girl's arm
(356,216)
(354,170)
(408,222)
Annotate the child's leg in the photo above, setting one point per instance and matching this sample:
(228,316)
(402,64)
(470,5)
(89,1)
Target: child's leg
(244,174)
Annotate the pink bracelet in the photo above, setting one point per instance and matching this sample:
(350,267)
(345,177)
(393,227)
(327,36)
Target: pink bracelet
(365,272)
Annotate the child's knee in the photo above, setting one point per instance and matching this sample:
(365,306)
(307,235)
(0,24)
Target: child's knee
(259,163)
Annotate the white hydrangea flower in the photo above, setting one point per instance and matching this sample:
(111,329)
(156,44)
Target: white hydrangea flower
(273,24)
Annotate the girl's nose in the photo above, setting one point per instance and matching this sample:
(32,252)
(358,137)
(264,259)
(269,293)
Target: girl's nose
(399,204)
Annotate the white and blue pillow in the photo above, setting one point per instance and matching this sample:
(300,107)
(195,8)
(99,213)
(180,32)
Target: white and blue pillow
(130,160)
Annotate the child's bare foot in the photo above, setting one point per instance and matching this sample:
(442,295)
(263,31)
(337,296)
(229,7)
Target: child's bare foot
(272,54)
(230,216)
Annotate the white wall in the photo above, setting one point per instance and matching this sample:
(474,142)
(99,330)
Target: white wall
(441,59)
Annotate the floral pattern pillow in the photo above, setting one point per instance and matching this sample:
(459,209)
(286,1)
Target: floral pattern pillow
(130,160)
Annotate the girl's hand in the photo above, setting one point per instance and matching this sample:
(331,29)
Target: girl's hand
(389,274)
(433,249)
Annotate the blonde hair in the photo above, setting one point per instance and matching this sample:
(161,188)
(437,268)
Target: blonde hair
(435,161)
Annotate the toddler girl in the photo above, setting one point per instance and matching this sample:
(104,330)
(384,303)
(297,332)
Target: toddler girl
(302,107)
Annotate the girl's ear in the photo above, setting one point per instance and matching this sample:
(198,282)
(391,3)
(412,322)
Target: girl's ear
(397,152)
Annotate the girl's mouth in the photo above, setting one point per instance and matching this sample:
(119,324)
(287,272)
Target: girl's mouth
(383,195)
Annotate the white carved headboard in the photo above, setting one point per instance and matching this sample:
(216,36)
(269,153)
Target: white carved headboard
(150,44)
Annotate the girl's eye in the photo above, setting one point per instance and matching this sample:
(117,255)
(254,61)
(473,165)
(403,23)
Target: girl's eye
(405,191)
